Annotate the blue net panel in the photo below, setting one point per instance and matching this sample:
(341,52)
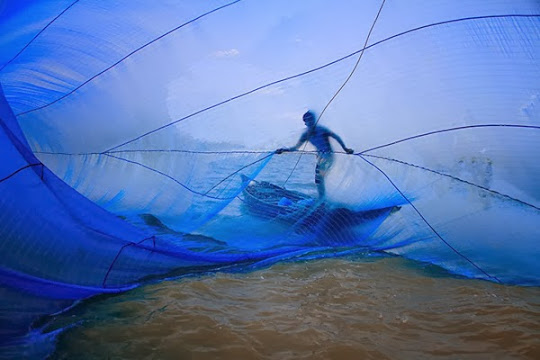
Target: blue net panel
(139,141)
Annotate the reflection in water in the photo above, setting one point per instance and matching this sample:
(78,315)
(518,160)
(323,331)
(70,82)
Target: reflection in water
(361,308)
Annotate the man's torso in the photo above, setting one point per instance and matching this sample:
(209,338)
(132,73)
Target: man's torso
(319,137)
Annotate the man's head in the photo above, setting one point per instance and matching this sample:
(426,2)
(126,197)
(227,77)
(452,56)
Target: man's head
(309,118)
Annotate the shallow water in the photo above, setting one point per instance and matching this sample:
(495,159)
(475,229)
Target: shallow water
(348,308)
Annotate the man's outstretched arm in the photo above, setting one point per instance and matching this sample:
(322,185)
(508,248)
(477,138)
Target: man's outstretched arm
(300,142)
(338,139)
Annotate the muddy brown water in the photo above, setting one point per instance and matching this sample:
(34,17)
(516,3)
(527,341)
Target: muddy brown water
(386,308)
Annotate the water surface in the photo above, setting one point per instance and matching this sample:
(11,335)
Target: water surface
(347,308)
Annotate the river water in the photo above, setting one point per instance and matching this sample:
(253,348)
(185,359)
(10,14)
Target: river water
(362,307)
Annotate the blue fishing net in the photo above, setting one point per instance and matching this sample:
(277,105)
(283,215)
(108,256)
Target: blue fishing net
(138,141)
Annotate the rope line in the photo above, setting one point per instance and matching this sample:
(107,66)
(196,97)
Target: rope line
(167,176)
(205,194)
(363,152)
(37,35)
(237,171)
(153,238)
(362,51)
(454,178)
(427,222)
(21,169)
(160,151)
(448,130)
(129,55)
(342,85)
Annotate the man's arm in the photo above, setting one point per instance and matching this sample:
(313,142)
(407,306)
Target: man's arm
(338,139)
(300,142)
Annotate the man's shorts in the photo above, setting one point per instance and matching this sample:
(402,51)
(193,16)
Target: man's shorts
(324,163)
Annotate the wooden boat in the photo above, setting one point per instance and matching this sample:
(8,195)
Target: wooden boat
(266,200)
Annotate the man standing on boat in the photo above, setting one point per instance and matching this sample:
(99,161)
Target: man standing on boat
(319,137)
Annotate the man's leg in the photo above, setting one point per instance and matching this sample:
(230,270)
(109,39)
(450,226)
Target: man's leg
(320,187)
(320,172)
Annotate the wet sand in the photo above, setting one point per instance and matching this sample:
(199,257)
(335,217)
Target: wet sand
(362,308)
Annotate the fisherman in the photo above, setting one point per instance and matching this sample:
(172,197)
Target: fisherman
(319,137)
